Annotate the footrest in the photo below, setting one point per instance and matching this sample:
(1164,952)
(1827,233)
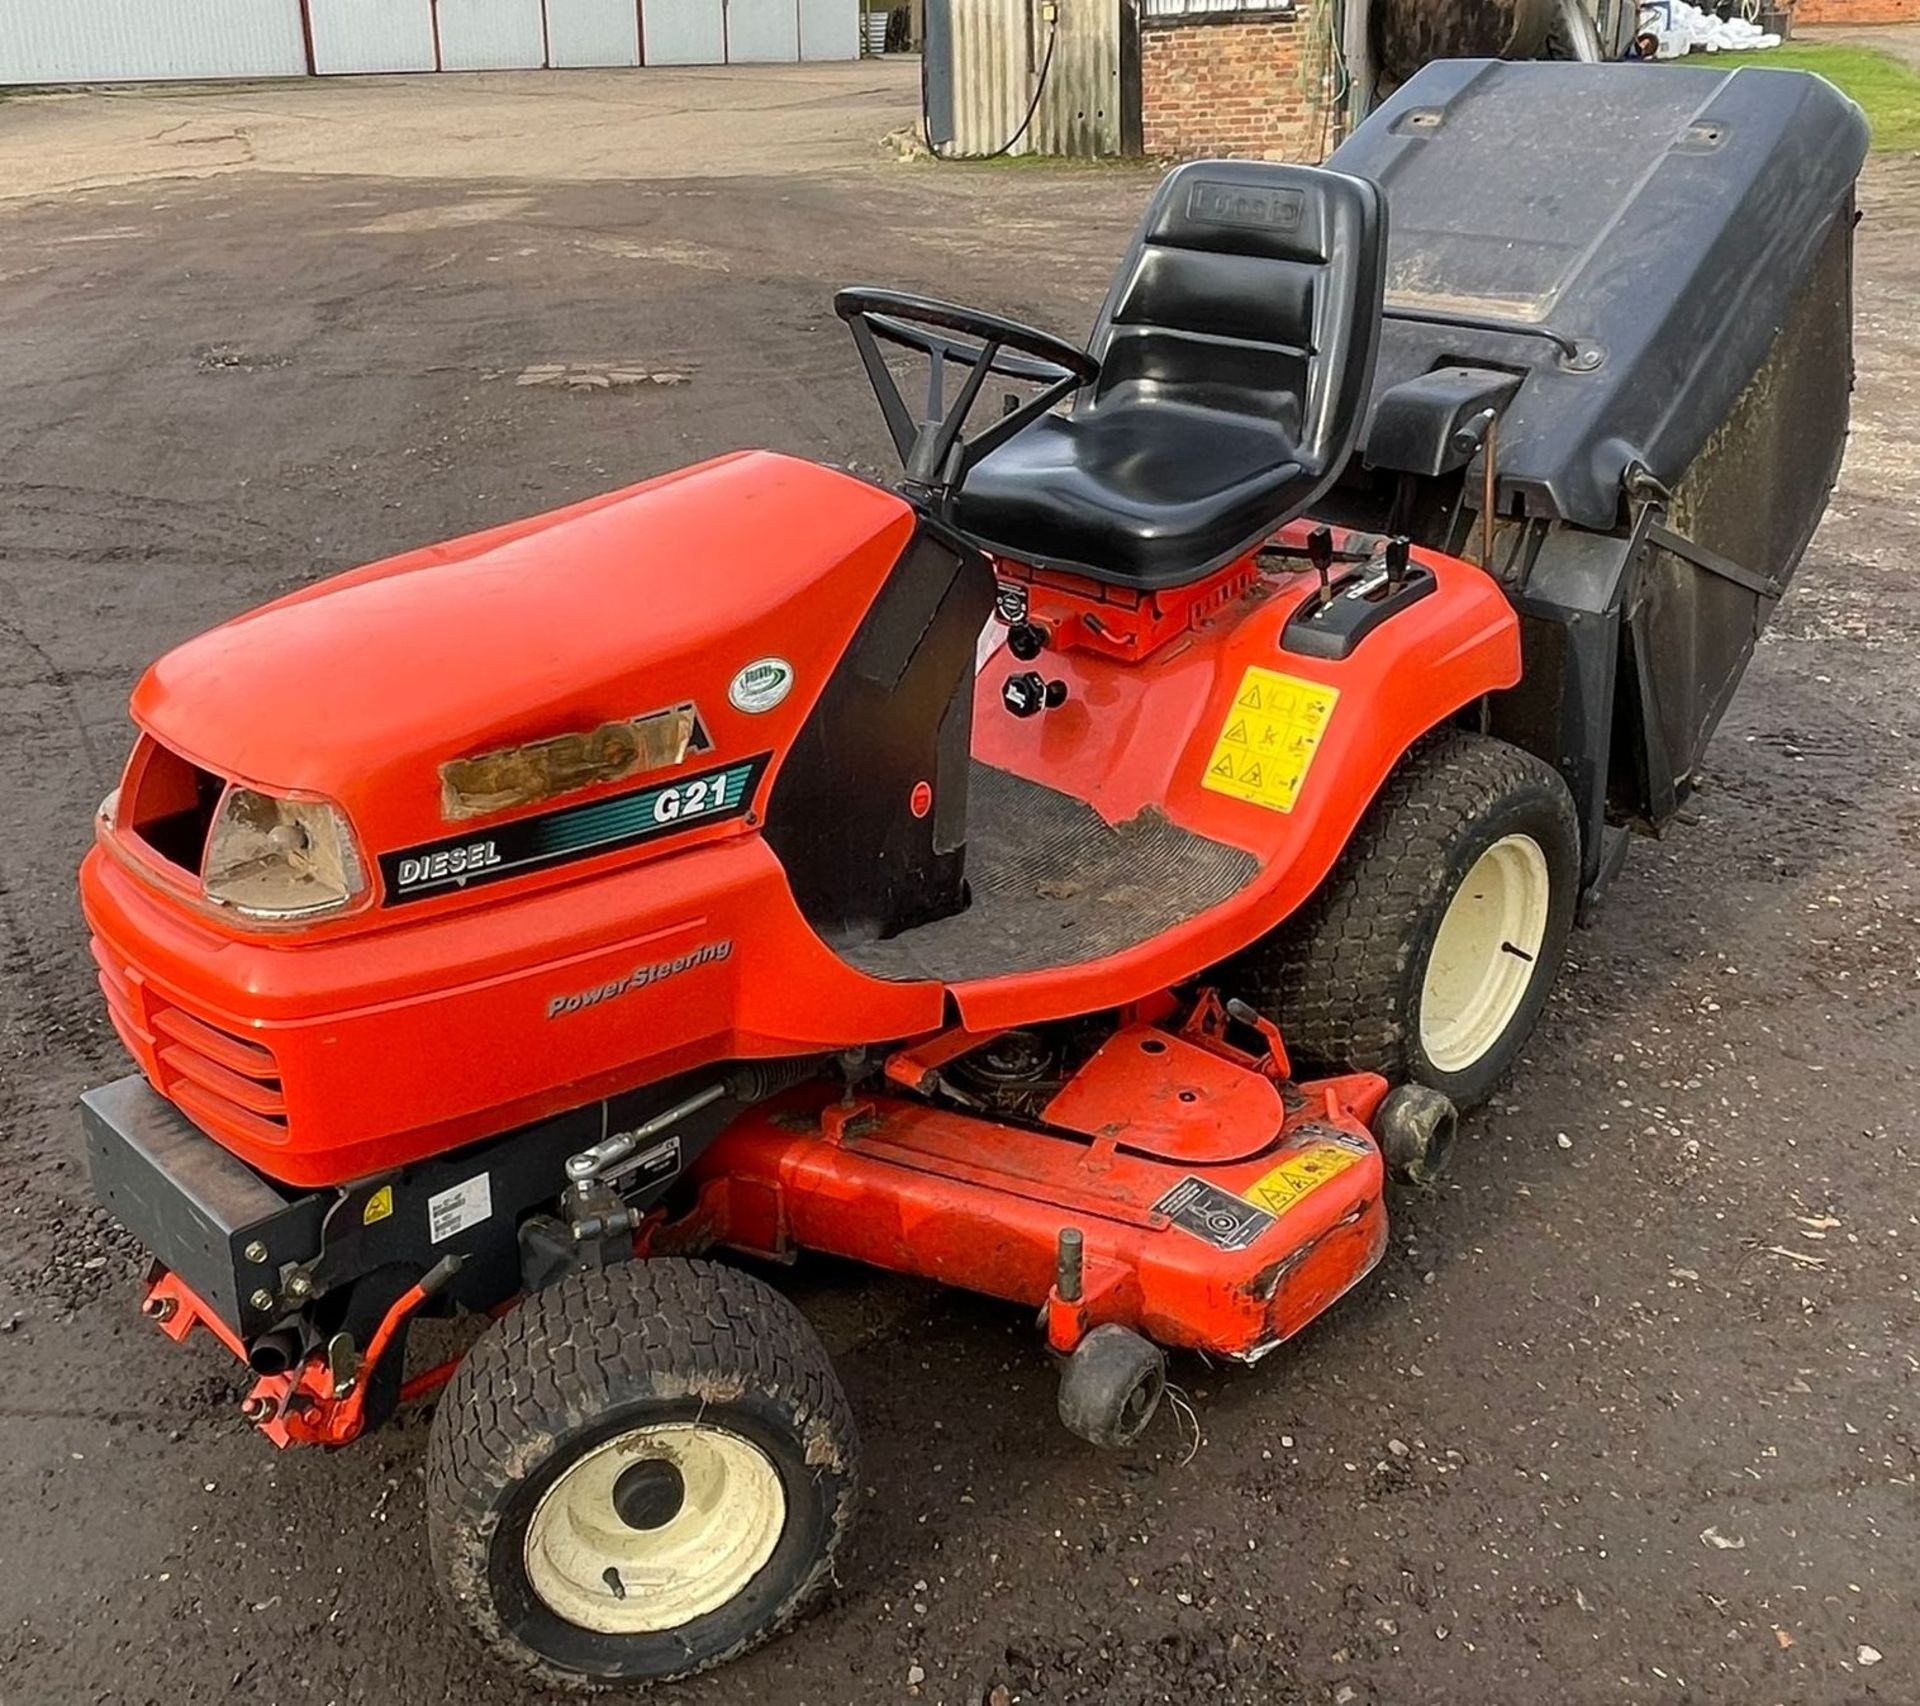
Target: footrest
(1054,884)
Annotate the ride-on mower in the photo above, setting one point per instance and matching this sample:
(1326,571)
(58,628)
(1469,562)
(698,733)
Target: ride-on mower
(1082,874)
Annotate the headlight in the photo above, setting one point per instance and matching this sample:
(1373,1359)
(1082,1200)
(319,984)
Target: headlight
(274,858)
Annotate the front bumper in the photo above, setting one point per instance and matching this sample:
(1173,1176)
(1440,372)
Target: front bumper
(228,1233)
(257,1254)
(324,1282)
(322,1060)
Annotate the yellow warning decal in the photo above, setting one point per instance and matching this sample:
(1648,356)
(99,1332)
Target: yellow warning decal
(1301,1172)
(379,1206)
(1269,738)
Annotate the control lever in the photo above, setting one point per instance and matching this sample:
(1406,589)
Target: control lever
(1028,694)
(1320,555)
(1243,1013)
(1397,558)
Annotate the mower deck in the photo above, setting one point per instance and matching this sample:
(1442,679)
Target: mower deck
(1214,1208)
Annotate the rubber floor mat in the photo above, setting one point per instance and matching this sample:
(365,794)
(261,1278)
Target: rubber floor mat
(1054,884)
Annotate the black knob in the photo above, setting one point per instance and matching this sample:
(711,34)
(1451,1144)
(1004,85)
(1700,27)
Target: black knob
(1025,695)
(1029,693)
(1026,640)
(1397,560)
(1320,550)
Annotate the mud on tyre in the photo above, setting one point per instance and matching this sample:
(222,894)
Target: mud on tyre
(644,1470)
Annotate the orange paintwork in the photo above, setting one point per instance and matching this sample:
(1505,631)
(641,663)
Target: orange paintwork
(302,1406)
(360,687)
(923,1190)
(399,1043)
(1134,736)
(1166,1096)
(376,1038)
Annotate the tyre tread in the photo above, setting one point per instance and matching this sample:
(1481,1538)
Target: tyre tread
(663,1328)
(1334,973)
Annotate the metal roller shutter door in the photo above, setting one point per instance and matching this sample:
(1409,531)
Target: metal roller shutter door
(87,41)
(593,32)
(371,35)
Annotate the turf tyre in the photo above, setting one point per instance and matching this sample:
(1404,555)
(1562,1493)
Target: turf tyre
(603,1355)
(1347,976)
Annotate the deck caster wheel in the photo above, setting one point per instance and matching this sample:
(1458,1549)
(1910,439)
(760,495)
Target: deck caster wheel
(1112,1385)
(1416,1128)
(643,1471)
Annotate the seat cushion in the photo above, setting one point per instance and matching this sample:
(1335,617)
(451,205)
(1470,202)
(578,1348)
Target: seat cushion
(1151,493)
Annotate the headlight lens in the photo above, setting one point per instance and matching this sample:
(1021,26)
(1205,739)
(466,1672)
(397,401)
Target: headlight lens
(274,858)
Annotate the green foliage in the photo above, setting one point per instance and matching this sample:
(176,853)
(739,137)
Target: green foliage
(1887,89)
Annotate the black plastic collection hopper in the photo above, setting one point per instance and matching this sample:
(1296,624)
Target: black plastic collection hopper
(1645,272)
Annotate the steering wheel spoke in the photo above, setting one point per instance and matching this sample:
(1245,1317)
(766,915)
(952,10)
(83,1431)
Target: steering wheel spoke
(935,450)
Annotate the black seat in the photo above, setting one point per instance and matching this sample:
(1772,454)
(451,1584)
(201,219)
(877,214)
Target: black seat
(1236,355)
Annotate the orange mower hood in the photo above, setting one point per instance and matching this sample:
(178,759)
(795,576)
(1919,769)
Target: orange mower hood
(362,687)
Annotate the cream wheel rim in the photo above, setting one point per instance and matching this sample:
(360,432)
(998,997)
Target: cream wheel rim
(654,1528)
(1485,954)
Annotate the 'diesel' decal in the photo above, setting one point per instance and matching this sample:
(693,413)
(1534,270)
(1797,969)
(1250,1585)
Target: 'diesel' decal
(577,832)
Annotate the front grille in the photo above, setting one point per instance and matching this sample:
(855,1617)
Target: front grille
(227,1084)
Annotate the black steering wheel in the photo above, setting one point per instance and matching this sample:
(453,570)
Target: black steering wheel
(933,449)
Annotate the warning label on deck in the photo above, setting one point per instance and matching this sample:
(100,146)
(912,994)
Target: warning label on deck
(1269,738)
(1225,1221)
(1301,1172)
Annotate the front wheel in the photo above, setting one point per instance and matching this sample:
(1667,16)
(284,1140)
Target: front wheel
(1428,952)
(642,1471)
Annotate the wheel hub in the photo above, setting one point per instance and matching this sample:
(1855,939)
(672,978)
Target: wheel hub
(654,1528)
(650,1494)
(1484,955)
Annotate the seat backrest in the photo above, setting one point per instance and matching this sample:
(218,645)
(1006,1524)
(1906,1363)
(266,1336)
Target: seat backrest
(1252,288)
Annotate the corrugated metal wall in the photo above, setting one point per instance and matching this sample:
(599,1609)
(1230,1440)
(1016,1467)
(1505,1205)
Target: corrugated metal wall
(103,41)
(829,29)
(994,52)
(1079,113)
(687,32)
(763,32)
(990,70)
(372,35)
(86,41)
(592,32)
(492,35)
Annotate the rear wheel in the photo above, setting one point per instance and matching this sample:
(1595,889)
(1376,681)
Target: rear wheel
(643,1471)
(1428,952)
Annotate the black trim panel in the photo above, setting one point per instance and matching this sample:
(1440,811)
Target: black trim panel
(575,832)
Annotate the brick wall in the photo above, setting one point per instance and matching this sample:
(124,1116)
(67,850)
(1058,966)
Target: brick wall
(1857,12)
(1231,86)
